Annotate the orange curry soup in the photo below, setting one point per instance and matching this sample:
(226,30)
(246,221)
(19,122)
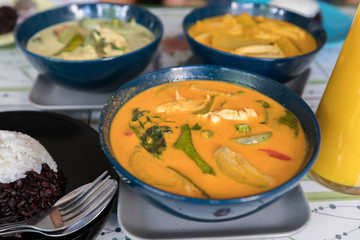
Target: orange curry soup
(208,139)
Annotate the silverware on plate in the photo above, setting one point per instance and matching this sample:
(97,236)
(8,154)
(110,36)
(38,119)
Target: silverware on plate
(72,212)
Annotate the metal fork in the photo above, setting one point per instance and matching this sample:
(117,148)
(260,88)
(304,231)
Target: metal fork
(68,210)
(73,228)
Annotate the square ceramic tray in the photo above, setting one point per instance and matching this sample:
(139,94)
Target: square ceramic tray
(140,220)
(50,96)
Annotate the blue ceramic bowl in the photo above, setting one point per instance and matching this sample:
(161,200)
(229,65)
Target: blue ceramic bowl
(210,209)
(282,69)
(96,75)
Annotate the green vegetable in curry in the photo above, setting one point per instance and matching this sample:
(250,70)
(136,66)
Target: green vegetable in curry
(184,143)
(255,139)
(290,120)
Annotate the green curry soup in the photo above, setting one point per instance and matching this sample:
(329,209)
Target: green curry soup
(208,139)
(89,38)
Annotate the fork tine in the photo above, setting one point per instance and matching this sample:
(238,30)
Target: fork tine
(103,195)
(80,201)
(75,223)
(89,187)
(78,208)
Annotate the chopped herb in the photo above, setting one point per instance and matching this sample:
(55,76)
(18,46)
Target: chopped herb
(37,40)
(243,128)
(166,129)
(135,130)
(153,141)
(158,117)
(141,124)
(136,114)
(207,134)
(196,127)
(240,92)
(184,143)
(265,106)
(263,103)
(290,120)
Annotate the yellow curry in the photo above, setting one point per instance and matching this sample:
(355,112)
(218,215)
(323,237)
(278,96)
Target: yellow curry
(208,139)
(253,36)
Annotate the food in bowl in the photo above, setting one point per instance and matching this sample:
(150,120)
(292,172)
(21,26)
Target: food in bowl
(281,69)
(30,180)
(90,38)
(96,75)
(253,36)
(205,209)
(208,139)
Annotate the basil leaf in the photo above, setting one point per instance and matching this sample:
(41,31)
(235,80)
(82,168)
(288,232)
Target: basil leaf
(290,120)
(153,141)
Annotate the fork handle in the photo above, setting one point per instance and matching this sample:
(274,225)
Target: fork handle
(10,232)
(12,226)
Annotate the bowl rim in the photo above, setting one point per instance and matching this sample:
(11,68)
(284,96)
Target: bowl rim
(279,190)
(186,27)
(81,5)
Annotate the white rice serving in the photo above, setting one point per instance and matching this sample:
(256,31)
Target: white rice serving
(20,153)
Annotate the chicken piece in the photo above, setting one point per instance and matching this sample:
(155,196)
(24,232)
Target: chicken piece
(182,104)
(229,114)
(117,44)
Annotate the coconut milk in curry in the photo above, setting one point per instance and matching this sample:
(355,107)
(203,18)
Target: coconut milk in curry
(208,139)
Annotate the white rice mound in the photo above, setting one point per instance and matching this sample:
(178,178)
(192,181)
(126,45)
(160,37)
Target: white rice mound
(20,153)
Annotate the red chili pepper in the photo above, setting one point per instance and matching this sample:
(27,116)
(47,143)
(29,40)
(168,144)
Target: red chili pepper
(129,133)
(276,154)
(59,30)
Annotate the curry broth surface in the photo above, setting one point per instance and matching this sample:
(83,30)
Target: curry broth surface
(110,40)
(124,142)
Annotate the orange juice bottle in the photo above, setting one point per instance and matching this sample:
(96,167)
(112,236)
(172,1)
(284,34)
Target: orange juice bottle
(338,163)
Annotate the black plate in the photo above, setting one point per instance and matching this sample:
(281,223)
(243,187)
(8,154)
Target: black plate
(76,149)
